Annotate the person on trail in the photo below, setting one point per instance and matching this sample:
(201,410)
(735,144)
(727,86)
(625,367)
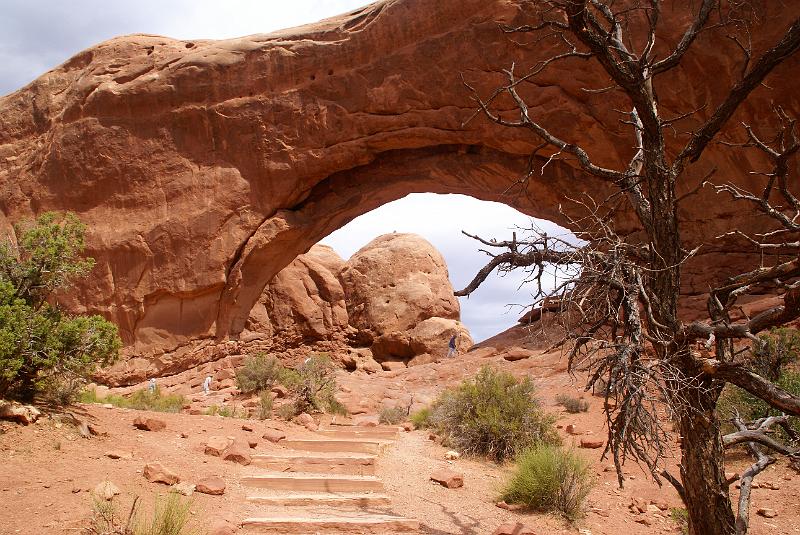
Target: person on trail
(451,347)
(152,386)
(207,384)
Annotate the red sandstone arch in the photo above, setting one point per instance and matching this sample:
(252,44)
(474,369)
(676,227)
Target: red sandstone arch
(205,167)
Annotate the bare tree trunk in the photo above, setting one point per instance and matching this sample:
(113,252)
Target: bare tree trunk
(702,470)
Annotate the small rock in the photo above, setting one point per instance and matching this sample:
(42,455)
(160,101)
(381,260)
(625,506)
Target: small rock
(184,435)
(273,435)
(211,485)
(644,520)
(408,427)
(116,454)
(252,443)
(280,391)
(663,506)
(517,354)
(247,428)
(767,513)
(24,414)
(215,445)
(222,527)
(185,488)
(307,421)
(448,478)
(591,444)
(452,455)
(509,506)
(107,406)
(156,473)
(368,421)
(149,424)
(237,453)
(572,430)
(513,528)
(105,490)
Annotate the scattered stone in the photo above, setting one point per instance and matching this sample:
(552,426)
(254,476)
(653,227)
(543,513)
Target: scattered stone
(572,430)
(452,455)
(273,435)
(156,473)
(16,412)
(448,478)
(280,391)
(246,427)
(252,443)
(513,528)
(222,527)
(116,454)
(610,468)
(661,505)
(393,365)
(591,444)
(237,453)
(307,421)
(104,490)
(211,485)
(769,485)
(510,506)
(149,424)
(767,513)
(638,506)
(107,406)
(408,427)
(184,435)
(185,488)
(215,445)
(644,520)
(517,354)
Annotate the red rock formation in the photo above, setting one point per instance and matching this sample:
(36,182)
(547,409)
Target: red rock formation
(203,168)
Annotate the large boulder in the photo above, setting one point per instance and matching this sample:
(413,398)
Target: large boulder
(303,303)
(393,284)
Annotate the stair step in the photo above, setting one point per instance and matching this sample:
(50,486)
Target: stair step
(371,446)
(364,432)
(342,499)
(355,464)
(333,524)
(303,482)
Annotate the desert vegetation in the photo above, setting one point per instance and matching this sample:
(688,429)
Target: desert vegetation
(492,415)
(572,404)
(549,478)
(45,351)
(143,399)
(392,415)
(170,516)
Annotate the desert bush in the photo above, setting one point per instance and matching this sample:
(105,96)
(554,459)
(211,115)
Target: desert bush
(264,405)
(550,479)
(492,414)
(392,415)
(680,516)
(143,400)
(170,516)
(40,343)
(287,411)
(314,386)
(735,401)
(572,404)
(421,418)
(258,372)
(772,352)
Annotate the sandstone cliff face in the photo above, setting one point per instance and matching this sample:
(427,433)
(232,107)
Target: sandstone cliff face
(203,168)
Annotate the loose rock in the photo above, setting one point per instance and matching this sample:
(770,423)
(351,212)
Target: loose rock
(448,478)
(156,473)
(767,513)
(273,435)
(185,488)
(215,445)
(149,424)
(591,444)
(211,485)
(237,453)
(105,490)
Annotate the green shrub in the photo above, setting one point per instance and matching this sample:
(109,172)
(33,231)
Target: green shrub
(421,418)
(771,353)
(680,516)
(264,405)
(258,372)
(392,415)
(735,401)
(142,400)
(314,385)
(226,411)
(171,516)
(40,344)
(572,404)
(493,415)
(550,479)
(287,411)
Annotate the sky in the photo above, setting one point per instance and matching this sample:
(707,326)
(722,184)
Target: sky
(37,35)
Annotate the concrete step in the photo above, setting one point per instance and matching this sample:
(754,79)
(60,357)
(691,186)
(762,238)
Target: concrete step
(364,432)
(303,482)
(370,446)
(323,463)
(336,499)
(360,524)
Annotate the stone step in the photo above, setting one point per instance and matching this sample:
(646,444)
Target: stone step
(303,482)
(371,446)
(357,524)
(365,432)
(340,499)
(326,463)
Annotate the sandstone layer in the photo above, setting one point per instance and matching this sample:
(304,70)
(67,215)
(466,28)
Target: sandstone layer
(203,168)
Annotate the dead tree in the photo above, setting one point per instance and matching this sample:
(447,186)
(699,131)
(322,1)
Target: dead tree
(620,297)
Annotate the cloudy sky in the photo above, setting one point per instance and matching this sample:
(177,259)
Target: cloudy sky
(37,35)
